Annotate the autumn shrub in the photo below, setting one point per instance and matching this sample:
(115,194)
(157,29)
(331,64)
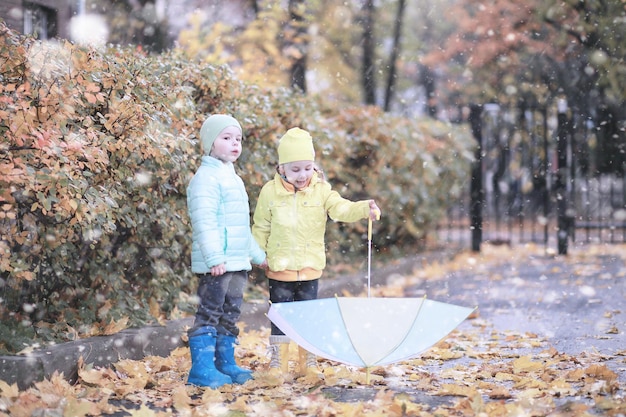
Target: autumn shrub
(97,148)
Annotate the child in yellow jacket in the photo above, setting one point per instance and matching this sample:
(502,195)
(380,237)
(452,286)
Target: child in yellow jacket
(290,224)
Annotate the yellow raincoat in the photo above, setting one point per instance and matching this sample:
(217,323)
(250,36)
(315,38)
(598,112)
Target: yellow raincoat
(290,226)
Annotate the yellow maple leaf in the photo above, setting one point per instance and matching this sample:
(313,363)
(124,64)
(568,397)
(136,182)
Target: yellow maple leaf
(562,387)
(240,404)
(499,393)
(497,409)
(79,407)
(530,382)
(155,311)
(103,377)
(9,391)
(457,390)
(505,376)
(525,364)
(135,371)
(601,372)
(575,375)
(115,326)
(531,393)
(181,400)
(349,409)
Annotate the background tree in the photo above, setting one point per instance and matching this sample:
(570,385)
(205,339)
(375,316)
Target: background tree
(485,55)
(296,44)
(255,6)
(252,51)
(395,51)
(133,22)
(423,29)
(274,49)
(368,69)
(536,52)
(594,37)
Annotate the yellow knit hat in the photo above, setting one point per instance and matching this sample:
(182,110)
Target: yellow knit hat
(295,145)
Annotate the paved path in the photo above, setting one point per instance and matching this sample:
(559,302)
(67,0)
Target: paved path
(577,303)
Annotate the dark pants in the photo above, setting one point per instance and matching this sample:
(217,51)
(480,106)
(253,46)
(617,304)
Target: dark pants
(220,302)
(285,292)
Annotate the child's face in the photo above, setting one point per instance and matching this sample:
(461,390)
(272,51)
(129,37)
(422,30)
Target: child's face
(227,145)
(298,173)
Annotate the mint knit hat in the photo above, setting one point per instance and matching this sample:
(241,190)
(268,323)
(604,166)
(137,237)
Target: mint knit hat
(212,127)
(295,145)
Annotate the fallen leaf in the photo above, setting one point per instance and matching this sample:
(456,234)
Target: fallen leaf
(525,364)
(79,407)
(8,391)
(457,390)
(115,326)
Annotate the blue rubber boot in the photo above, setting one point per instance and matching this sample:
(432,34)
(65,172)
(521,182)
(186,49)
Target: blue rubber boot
(225,359)
(203,372)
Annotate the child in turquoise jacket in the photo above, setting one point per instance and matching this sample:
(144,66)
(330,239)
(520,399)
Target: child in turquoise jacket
(222,251)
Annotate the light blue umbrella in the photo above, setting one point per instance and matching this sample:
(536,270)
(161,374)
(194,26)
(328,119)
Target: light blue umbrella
(370,331)
(367,331)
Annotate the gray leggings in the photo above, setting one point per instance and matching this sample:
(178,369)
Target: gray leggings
(220,302)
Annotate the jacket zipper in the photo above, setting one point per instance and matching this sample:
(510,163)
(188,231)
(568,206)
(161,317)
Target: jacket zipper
(295,230)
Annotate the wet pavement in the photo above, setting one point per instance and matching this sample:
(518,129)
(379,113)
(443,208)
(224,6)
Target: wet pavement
(577,304)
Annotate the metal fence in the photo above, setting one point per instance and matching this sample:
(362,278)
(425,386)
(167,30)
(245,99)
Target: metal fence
(536,179)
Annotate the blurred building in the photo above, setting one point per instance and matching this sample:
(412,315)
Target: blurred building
(152,23)
(44,19)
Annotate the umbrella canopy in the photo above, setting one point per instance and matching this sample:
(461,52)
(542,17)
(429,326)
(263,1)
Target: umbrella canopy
(367,332)
(370,331)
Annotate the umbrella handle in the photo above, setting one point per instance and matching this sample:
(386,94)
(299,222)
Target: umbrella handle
(369,250)
(369,226)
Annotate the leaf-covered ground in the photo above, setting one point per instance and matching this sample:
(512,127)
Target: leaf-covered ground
(478,370)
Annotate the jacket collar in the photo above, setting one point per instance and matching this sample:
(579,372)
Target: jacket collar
(214,162)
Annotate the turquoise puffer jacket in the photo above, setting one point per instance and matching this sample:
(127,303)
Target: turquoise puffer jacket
(218,206)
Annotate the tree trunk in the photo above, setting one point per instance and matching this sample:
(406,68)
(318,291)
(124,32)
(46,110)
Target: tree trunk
(296,45)
(427,80)
(395,51)
(149,32)
(477,192)
(368,79)
(255,7)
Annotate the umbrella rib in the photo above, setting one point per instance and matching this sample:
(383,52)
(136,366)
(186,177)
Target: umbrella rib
(345,325)
(406,334)
(368,365)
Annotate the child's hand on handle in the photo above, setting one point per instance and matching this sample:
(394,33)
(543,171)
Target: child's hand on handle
(374,211)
